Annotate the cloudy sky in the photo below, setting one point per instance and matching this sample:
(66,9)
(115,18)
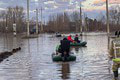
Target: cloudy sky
(90,7)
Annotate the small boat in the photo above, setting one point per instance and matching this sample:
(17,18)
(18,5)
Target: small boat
(83,44)
(58,57)
(58,35)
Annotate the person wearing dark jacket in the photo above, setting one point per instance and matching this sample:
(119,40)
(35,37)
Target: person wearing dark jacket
(76,39)
(65,47)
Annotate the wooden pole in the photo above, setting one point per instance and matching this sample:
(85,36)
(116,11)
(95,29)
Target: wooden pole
(28,31)
(107,15)
(36,21)
(6,30)
(41,21)
(80,20)
(108,28)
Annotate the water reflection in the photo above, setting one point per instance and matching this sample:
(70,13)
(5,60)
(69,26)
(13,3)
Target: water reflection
(76,49)
(65,70)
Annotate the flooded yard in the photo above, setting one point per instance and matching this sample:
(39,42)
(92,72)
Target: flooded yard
(34,61)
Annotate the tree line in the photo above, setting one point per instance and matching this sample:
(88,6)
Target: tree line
(61,22)
(10,16)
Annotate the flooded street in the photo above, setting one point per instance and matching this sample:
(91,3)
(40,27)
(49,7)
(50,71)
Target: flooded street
(34,61)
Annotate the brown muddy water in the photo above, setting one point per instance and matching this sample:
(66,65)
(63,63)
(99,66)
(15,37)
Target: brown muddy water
(34,61)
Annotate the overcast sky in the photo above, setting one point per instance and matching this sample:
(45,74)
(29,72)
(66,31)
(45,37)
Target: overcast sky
(91,7)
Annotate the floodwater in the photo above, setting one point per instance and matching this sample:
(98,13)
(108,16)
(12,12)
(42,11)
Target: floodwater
(34,61)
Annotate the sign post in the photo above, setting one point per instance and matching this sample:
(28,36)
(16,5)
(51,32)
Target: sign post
(14,29)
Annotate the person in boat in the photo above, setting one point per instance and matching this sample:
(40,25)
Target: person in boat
(65,47)
(70,38)
(116,33)
(58,49)
(76,39)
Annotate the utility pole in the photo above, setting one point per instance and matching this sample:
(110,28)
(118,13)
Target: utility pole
(64,20)
(28,31)
(6,30)
(36,21)
(80,20)
(41,20)
(13,16)
(107,15)
(14,24)
(108,28)
(6,22)
(85,22)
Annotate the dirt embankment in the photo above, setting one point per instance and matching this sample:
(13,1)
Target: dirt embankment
(6,54)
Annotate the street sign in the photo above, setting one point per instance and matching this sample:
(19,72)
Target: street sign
(14,27)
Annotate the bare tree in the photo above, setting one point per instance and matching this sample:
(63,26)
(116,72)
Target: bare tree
(2,21)
(76,18)
(13,15)
(115,17)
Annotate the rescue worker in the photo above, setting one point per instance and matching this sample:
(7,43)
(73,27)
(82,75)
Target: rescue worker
(116,65)
(116,33)
(65,47)
(115,59)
